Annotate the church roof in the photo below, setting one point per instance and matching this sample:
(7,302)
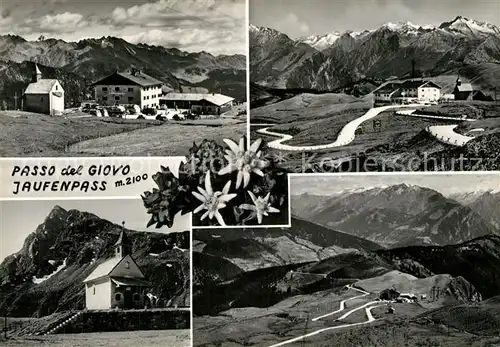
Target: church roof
(122,239)
(103,269)
(43,86)
(465,87)
(123,281)
(106,269)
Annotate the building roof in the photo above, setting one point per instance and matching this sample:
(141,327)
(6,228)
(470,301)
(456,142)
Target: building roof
(104,269)
(122,281)
(122,239)
(37,70)
(216,99)
(465,87)
(387,90)
(413,84)
(43,86)
(127,78)
(432,84)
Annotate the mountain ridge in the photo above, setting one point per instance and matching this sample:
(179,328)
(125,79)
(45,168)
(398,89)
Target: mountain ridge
(461,46)
(398,215)
(88,60)
(46,274)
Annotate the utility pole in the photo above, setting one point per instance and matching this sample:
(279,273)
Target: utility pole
(5,324)
(305,330)
(15,101)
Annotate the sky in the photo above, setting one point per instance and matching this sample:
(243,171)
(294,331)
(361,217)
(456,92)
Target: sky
(15,226)
(214,26)
(446,184)
(299,18)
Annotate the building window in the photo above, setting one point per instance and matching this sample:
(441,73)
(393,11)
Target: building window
(41,99)
(130,99)
(57,88)
(136,297)
(104,89)
(93,290)
(131,89)
(117,89)
(104,98)
(118,296)
(144,98)
(117,98)
(127,265)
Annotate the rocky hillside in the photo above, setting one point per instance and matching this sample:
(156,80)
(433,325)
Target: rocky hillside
(479,154)
(477,261)
(398,215)
(267,247)
(329,61)
(92,59)
(46,274)
(372,271)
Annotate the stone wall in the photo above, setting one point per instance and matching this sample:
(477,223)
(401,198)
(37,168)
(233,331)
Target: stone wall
(129,320)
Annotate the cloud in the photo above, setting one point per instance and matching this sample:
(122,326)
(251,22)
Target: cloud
(293,21)
(183,13)
(194,40)
(5,13)
(66,22)
(216,26)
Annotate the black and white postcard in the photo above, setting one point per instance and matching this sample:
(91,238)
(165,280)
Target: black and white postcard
(120,78)
(369,260)
(396,85)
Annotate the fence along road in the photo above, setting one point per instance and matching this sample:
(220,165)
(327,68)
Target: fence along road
(346,135)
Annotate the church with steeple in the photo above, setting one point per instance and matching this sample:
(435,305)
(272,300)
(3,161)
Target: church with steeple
(44,95)
(117,282)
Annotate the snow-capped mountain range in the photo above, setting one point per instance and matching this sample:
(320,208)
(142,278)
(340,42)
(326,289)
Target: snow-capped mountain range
(459,26)
(337,60)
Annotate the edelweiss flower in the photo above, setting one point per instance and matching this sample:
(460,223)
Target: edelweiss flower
(261,206)
(245,162)
(212,201)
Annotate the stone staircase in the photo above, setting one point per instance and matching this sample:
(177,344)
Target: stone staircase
(64,323)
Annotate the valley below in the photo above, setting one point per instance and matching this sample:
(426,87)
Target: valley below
(307,91)
(393,270)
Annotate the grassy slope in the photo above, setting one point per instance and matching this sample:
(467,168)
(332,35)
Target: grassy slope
(301,108)
(490,126)
(395,131)
(164,338)
(30,134)
(473,109)
(170,139)
(292,317)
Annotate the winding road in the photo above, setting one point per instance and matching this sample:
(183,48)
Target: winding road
(345,137)
(342,304)
(448,135)
(443,133)
(369,317)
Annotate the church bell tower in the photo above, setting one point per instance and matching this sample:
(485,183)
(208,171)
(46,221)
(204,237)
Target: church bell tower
(123,246)
(38,74)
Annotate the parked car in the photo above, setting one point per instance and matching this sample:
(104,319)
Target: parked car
(161,117)
(150,111)
(116,111)
(134,109)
